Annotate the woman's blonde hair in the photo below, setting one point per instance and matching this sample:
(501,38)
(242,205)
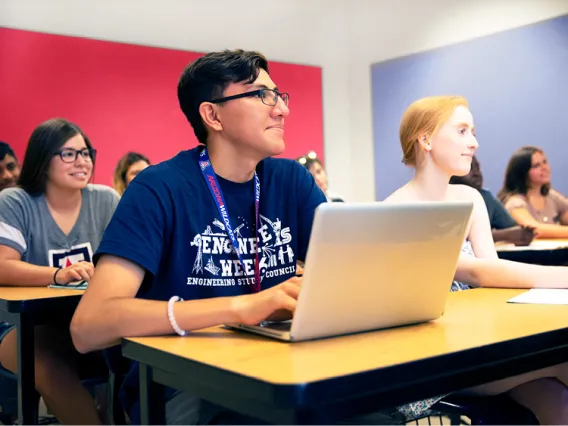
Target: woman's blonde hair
(119,181)
(424,117)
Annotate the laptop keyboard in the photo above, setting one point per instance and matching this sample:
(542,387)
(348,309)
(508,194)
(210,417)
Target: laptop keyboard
(277,325)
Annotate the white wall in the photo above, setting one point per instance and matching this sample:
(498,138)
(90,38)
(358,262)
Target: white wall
(344,37)
(385,29)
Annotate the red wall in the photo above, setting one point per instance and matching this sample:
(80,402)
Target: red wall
(123,96)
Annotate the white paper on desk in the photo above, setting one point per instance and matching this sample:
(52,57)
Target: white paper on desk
(534,246)
(542,296)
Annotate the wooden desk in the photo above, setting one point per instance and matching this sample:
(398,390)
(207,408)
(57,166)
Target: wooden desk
(480,338)
(26,307)
(541,252)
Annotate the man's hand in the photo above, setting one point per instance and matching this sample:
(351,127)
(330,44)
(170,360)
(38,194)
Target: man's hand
(275,304)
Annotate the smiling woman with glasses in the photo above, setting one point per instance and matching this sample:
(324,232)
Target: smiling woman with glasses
(49,229)
(55,145)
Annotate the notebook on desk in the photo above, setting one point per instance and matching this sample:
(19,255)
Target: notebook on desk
(372,266)
(76,285)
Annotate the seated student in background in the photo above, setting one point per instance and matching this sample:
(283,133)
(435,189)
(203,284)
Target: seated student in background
(127,168)
(437,138)
(49,228)
(503,226)
(9,167)
(528,196)
(174,234)
(315,167)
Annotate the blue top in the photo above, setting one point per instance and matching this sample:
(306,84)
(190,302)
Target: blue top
(168,223)
(499,218)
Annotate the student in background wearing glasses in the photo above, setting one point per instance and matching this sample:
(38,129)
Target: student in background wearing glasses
(50,226)
(311,162)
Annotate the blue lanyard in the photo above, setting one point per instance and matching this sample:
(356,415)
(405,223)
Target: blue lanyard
(215,189)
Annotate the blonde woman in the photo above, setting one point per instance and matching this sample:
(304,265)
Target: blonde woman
(437,136)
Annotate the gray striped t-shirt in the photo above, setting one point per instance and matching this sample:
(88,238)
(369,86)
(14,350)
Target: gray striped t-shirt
(26,225)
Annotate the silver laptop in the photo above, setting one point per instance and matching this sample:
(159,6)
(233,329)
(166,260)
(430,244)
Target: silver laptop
(374,265)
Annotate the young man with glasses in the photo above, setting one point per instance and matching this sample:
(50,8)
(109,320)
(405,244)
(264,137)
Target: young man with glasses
(9,167)
(211,236)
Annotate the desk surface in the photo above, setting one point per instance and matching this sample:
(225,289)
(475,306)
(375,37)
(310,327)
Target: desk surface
(19,299)
(480,338)
(472,319)
(31,293)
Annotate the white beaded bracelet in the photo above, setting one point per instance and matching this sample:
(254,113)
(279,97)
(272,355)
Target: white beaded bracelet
(171,317)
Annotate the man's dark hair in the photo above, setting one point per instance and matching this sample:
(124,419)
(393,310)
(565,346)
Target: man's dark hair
(5,149)
(206,79)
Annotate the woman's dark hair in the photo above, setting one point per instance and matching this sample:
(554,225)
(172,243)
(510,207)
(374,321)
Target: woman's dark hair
(517,173)
(206,79)
(45,142)
(470,178)
(459,180)
(119,181)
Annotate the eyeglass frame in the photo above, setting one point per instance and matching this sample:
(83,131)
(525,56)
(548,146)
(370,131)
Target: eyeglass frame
(92,154)
(258,92)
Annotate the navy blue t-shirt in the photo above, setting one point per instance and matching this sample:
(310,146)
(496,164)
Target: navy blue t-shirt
(499,217)
(168,223)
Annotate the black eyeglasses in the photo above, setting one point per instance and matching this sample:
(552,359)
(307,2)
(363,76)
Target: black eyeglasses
(70,155)
(267,96)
